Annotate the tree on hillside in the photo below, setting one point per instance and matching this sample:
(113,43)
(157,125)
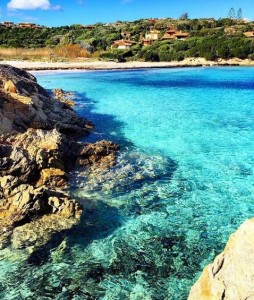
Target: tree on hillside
(184,16)
(231,14)
(239,15)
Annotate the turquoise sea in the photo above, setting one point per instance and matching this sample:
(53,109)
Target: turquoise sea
(183,183)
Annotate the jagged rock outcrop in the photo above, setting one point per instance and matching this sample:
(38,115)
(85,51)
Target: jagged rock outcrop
(32,176)
(231,275)
(65,97)
(37,148)
(25,104)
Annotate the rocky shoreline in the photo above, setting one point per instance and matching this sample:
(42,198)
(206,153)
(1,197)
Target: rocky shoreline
(38,147)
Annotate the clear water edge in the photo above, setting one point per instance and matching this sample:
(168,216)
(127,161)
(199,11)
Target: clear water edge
(183,183)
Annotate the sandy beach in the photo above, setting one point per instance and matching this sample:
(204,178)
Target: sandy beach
(111,65)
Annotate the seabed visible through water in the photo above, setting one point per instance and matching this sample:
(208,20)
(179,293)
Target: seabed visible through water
(182,185)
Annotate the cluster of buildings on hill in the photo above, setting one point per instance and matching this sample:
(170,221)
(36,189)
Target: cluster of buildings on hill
(21,25)
(150,38)
(170,34)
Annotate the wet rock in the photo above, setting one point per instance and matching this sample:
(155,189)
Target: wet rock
(65,97)
(99,156)
(39,232)
(20,204)
(58,93)
(231,274)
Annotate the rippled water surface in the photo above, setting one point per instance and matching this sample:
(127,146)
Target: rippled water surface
(183,183)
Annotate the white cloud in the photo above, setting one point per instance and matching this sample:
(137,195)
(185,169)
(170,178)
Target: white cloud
(32,5)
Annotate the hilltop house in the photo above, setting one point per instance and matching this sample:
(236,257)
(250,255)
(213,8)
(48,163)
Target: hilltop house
(169,35)
(28,25)
(122,44)
(173,34)
(8,24)
(181,35)
(150,37)
(21,25)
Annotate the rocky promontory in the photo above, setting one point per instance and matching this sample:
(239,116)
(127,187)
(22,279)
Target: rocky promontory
(231,275)
(38,146)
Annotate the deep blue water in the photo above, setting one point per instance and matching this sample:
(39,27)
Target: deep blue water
(183,183)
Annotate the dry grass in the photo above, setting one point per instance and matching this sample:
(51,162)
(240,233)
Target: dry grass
(70,51)
(64,52)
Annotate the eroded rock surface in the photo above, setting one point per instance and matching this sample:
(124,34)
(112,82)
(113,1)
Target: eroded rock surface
(25,104)
(37,148)
(231,275)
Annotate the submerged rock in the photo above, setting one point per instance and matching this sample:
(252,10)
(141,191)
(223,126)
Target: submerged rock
(129,169)
(98,156)
(230,276)
(39,232)
(37,148)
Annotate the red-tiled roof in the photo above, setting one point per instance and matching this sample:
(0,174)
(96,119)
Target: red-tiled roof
(123,43)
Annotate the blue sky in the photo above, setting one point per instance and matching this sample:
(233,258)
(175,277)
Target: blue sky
(67,12)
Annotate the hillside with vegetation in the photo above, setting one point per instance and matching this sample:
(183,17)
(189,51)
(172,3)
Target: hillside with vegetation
(208,38)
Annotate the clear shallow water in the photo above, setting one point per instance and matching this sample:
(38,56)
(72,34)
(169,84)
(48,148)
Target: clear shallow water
(183,183)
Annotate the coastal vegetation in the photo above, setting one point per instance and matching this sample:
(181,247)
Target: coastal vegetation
(208,38)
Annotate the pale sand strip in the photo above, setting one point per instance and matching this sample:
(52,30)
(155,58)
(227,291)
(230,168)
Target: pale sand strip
(101,65)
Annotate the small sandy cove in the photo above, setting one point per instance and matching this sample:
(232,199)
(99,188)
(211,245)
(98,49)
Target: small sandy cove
(110,65)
